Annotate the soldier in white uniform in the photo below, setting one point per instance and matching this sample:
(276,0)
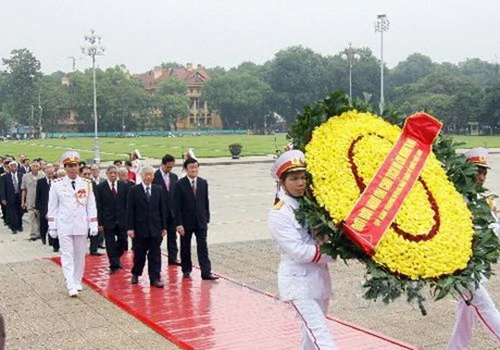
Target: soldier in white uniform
(71,214)
(303,277)
(476,303)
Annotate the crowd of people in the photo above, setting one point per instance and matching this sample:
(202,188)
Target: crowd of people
(70,205)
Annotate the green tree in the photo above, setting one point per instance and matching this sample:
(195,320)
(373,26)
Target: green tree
(22,72)
(299,76)
(490,113)
(240,98)
(171,99)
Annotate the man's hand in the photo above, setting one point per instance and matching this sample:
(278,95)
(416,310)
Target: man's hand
(93,232)
(53,233)
(101,228)
(163,233)
(4,202)
(180,229)
(131,233)
(23,205)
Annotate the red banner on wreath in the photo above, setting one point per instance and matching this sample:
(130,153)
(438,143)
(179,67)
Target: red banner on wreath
(379,203)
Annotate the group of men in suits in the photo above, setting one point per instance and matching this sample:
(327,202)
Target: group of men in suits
(162,205)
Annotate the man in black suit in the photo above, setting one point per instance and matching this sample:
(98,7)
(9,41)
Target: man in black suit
(165,178)
(5,168)
(192,215)
(11,198)
(110,197)
(42,204)
(147,224)
(86,173)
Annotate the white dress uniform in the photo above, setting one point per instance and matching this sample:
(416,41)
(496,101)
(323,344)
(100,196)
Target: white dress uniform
(303,277)
(71,214)
(481,306)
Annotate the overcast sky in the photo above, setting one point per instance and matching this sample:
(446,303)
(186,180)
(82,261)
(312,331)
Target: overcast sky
(144,33)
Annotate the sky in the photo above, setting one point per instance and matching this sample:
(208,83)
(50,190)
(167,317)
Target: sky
(143,33)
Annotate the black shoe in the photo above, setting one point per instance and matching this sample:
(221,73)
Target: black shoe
(134,279)
(14,232)
(157,284)
(95,253)
(55,250)
(210,277)
(175,262)
(44,240)
(186,275)
(34,239)
(113,271)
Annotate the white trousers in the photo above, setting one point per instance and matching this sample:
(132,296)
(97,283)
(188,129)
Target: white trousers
(482,308)
(34,222)
(73,259)
(316,333)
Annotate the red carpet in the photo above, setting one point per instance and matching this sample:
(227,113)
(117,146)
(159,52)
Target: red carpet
(196,314)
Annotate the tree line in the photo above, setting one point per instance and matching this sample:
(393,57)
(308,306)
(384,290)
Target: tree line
(250,95)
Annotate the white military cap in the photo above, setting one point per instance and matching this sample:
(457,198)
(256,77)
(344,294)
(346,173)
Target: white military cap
(478,156)
(137,153)
(189,154)
(293,160)
(70,157)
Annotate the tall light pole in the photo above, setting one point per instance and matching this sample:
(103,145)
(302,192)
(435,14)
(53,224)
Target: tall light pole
(94,48)
(40,112)
(381,26)
(350,56)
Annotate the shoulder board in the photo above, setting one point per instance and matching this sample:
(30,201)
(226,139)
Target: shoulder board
(59,179)
(278,205)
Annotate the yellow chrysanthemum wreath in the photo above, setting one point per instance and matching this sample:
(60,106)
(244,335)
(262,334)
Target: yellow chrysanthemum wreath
(432,232)
(432,242)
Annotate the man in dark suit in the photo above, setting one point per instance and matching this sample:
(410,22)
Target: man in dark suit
(147,224)
(11,198)
(5,168)
(42,204)
(86,173)
(110,197)
(165,178)
(192,215)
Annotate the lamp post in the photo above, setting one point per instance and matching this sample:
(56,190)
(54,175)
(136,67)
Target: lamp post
(381,26)
(40,112)
(350,56)
(94,48)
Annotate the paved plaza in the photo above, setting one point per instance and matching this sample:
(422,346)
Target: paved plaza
(39,315)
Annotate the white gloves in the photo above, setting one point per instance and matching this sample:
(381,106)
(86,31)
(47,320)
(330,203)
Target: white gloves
(53,233)
(93,232)
(495,226)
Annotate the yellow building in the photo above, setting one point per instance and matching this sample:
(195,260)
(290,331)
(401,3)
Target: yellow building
(200,116)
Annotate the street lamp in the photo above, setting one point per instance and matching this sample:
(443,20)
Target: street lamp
(350,56)
(94,48)
(381,26)
(40,113)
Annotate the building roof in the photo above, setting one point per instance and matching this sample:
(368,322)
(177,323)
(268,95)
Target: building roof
(190,75)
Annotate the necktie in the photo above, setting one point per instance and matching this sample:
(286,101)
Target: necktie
(148,192)
(50,182)
(193,184)
(166,178)
(113,189)
(15,182)
(73,185)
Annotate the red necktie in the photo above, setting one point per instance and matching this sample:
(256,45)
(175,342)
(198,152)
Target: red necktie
(113,189)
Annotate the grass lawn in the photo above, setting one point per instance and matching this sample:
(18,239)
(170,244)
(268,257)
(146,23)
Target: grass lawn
(479,141)
(150,147)
(156,147)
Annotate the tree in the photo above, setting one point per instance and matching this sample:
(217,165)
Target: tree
(22,72)
(240,99)
(409,71)
(299,75)
(490,113)
(170,98)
